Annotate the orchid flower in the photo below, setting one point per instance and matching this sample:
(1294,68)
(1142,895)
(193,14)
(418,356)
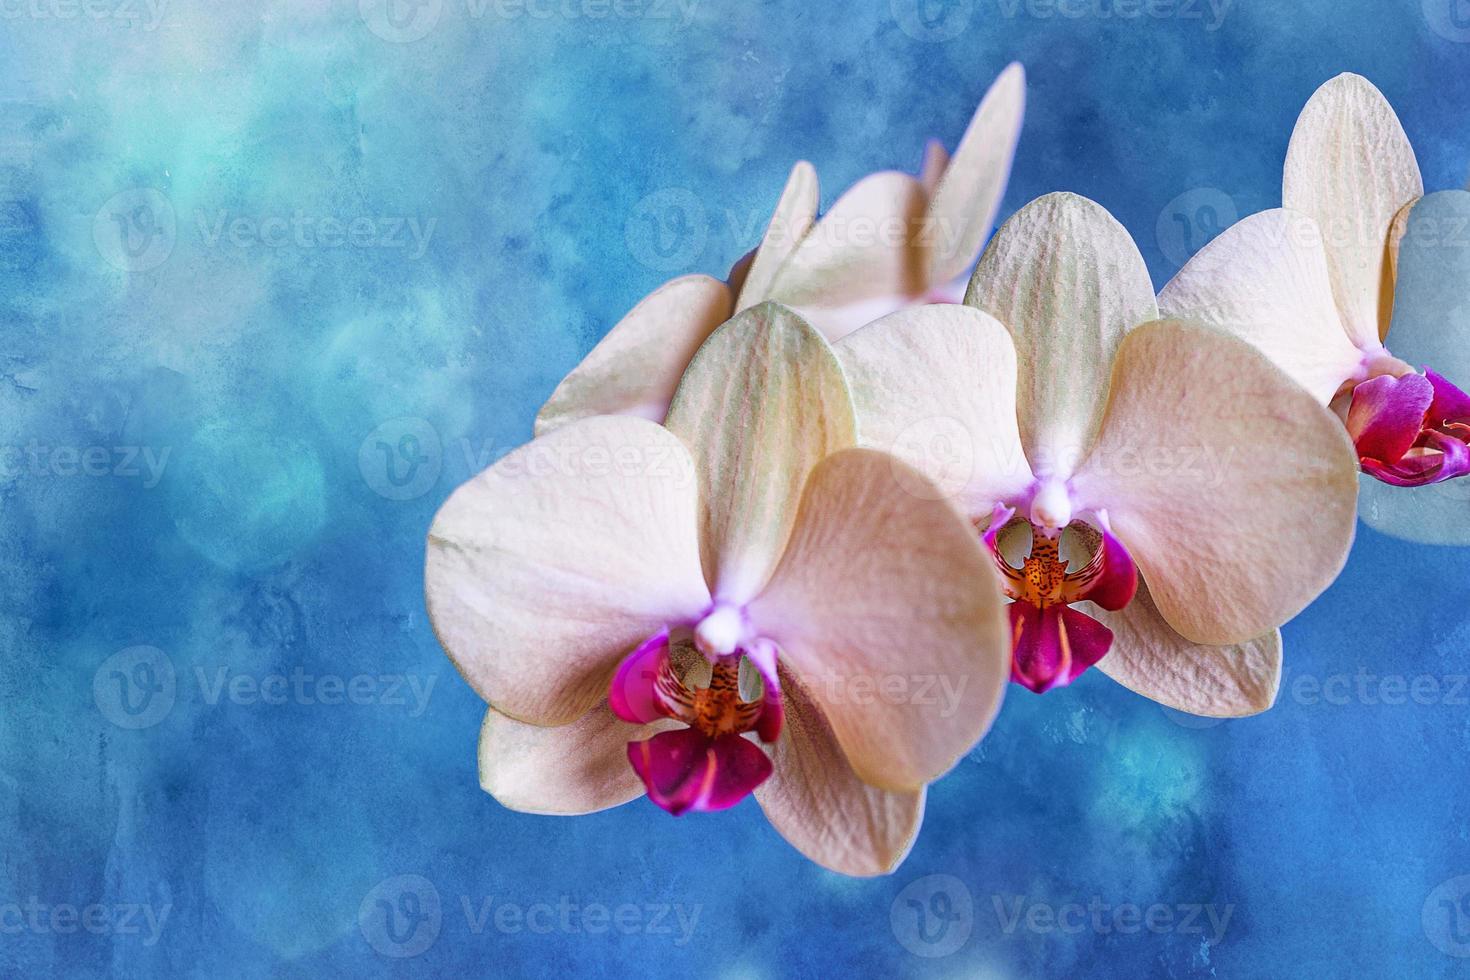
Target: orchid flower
(1178,489)
(891,241)
(636,601)
(1317,284)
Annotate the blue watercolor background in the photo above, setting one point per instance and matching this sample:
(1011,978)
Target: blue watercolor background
(317,401)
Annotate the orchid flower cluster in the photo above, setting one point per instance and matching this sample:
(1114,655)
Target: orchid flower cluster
(793,533)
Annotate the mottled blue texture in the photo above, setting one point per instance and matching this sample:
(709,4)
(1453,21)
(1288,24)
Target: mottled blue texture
(270,541)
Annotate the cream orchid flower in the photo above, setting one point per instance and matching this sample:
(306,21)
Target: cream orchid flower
(891,241)
(635,601)
(1159,443)
(1317,284)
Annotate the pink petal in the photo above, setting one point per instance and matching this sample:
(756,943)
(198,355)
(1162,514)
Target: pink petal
(1450,403)
(633,695)
(684,770)
(1448,458)
(1386,415)
(1053,646)
(1114,587)
(763,656)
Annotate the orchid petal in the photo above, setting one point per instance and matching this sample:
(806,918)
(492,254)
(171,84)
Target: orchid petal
(760,404)
(1265,280)
(1451,404)
(1387,414)
(1210,465)
(823,809)
(936,386)
(548,567)
(1431,316)
(1051,647)
(883,582)
(936,158)
(633,694)
(763,656)
(862,251)
(789,224)
(968,194)
(1068,282)
(1117,577)
(634,369)
(683,770)
(1149,658)
(581,767)
(1351,168)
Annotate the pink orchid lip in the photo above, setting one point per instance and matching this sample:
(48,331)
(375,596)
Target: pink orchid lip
(709,765)
(1412,429)
(1051,643)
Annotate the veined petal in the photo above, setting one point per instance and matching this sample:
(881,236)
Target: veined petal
(547,568)
(1431,315)
(968,194)
(1232,488)
(883,588)
(1351,168)
(1051,647)
(1265,280)
(936,158)
(683,770)
(1149,658)
(790,223)
(862,250)
(761,403)
(569,769)
(634,369)
(1386,415)
(1068,282)
(936,387)
(823,809)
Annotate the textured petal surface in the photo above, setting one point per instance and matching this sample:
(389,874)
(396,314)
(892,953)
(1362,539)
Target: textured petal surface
(1149,658)
(760,405)
(863,249)
(968,195)
(936,386)
(547,568)
(1351,168)
(789,224)
(577,768)
(887,609)
(1386,415)
(823,809)
(1068,283)
(1232,488)
(1265,280)
(636,367)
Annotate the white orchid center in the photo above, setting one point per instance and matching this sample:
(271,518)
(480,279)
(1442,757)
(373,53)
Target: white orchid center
(1051,505)
(721,632)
